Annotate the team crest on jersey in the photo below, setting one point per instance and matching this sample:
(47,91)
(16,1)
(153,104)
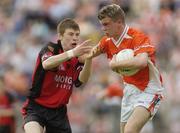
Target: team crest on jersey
(46,55)
(61,67)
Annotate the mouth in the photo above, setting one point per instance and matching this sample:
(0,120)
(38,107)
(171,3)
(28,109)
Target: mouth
(74,44)
(107,34)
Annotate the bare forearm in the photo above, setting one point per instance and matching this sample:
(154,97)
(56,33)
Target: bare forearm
(86,72)
(131,63)
(54,61)
(139,61)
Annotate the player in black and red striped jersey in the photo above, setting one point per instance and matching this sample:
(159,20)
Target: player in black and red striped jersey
(7,115)
(57,70)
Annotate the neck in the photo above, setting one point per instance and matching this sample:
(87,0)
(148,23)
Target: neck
(62,45)
(64,48)
(119,32)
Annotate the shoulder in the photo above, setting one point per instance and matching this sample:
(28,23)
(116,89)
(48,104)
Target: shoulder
(104,39)
(136,33)
(50,46)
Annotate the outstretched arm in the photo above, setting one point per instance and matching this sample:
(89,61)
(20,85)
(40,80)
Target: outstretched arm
(86,72)
(56,60)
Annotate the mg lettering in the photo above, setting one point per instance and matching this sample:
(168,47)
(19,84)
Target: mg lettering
(63,79)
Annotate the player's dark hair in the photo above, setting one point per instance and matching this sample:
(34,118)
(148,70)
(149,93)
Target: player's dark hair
(67,24)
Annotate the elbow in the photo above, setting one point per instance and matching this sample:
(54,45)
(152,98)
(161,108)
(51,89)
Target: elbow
(141,60)
(85,80)
(143,64)
(45,65)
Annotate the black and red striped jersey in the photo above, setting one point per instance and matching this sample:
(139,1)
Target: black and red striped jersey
(53,88)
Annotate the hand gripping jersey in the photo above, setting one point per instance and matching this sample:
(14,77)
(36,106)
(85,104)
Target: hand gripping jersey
(52,88)
(140,43)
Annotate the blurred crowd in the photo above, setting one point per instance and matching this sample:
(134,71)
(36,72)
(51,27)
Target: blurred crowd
(27,25)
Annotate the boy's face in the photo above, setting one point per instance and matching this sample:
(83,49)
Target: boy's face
(70,39)
(111,28)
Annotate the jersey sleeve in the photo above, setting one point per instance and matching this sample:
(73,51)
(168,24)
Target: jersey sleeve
(142,44)
(45,53)
(102,44)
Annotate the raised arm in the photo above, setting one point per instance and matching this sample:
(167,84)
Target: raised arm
(55,60)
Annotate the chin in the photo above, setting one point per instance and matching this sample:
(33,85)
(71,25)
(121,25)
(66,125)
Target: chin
(108,35)
(73,46)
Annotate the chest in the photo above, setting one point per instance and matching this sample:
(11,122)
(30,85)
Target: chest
(112,48)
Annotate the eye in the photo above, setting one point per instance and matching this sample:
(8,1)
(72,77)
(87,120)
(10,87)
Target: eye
(71,34)
(77,34)
(105,24)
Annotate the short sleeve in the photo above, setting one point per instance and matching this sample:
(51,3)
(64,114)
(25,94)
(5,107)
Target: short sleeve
(45,54)
(103,44)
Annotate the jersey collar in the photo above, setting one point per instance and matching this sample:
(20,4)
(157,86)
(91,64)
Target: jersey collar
(59,45)
(122,36)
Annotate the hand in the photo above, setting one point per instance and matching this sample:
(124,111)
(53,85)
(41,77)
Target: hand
(83,58)
(94,52)
(83,48)
(89,56)
(112,62)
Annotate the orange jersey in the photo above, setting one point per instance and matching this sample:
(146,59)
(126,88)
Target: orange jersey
(137,41)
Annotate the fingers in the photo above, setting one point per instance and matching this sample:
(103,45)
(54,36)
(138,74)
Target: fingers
(86,45)
(85,49)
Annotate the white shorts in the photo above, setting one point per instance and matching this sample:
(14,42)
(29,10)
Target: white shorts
(133,97)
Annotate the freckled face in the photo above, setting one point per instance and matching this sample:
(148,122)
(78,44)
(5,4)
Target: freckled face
(70,39)
(111,28)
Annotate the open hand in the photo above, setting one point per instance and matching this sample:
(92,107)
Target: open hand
(83,48)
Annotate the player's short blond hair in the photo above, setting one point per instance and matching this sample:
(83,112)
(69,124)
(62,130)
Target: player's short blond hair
(67,23)
(112,11)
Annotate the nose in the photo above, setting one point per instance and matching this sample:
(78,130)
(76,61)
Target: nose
(103,28)
(75,38)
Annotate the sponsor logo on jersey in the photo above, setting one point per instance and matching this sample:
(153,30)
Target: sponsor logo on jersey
(63,81)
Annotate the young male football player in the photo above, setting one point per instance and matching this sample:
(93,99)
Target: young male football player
(143,90)
(57,71)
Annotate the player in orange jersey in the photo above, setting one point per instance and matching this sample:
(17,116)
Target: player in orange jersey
(143,90)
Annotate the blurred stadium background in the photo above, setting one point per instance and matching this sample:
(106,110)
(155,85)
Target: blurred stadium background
(25,26)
